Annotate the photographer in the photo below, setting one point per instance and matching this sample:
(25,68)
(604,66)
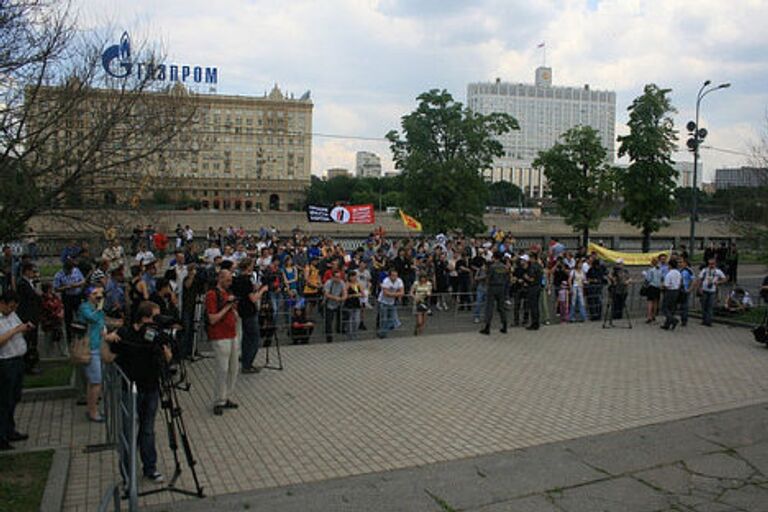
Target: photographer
(142,362)
(221,307)
(248,297)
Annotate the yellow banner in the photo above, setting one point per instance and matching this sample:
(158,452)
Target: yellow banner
(630,258)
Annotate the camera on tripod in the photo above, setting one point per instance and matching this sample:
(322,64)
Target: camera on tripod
(162,333)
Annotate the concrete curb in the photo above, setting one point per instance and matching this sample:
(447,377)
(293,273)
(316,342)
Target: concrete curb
(56,485)
(52,392)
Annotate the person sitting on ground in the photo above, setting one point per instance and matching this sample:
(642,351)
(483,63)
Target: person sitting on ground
(738,301)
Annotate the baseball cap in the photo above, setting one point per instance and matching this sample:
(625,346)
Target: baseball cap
(525,257)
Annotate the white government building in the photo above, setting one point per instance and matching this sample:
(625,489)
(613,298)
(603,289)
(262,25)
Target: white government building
(544,112)
(367,165)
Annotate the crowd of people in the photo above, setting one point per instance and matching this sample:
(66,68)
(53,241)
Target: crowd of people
(245,289)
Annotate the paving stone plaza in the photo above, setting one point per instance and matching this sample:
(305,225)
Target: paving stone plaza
(358,408)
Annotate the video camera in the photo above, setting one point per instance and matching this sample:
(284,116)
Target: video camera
(161,333)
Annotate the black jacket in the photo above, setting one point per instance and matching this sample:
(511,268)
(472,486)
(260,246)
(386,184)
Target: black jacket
(30,302)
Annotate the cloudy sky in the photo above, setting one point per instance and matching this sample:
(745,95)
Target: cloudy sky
(365,61)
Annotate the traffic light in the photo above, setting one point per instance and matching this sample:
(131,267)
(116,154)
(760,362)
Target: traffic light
(697,136)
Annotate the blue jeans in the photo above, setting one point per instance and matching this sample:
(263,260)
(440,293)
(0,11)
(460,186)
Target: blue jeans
(707,307)
(274,297)
(251,342)
(146,406)
(11,378)
(480,296)
(577,301)
(386,318)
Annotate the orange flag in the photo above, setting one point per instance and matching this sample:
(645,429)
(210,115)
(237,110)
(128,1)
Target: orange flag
(410,222)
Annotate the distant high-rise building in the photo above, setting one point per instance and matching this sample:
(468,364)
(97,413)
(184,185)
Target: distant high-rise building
(685,174)
(336,172)
(741,177)
(367,165)
(544,113)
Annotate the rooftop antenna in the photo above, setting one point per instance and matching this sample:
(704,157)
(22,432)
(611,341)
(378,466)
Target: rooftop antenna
(543,46)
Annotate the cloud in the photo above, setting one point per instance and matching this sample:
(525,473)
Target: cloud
(366,60)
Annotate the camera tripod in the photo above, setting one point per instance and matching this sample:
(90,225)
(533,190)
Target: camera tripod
(267,345)
(177,430)
(198,328)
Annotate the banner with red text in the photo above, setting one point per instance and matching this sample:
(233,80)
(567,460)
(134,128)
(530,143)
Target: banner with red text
(345,214)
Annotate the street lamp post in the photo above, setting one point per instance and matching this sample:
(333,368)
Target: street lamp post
(697,137)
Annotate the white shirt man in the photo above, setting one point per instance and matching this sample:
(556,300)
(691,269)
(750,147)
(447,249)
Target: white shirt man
(392,287)
(673,279)
(145,257)
(710,277)
(211,254)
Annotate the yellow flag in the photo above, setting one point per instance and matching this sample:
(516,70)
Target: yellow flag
(630,258)
(410,222)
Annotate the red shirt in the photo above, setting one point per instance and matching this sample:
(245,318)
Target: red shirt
(161,241)
(225,328)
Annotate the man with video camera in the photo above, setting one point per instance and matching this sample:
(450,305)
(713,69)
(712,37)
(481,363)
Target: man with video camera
(142,360)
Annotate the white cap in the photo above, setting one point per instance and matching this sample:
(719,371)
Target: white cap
(619,261)
(525,257)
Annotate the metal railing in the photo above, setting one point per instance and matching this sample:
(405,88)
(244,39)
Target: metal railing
(460,312)
(119,396)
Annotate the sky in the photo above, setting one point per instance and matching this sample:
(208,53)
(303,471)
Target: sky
(366,61)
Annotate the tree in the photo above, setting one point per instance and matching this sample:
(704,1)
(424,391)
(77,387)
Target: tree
(442,151)
(67,129)
(579,178)
(648,185)
(505,194)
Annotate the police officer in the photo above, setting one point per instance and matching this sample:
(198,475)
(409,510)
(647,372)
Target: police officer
(533,275)
(497,280)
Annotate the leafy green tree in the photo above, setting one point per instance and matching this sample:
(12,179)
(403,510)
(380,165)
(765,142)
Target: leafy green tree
(442,151)
(580,179)
(648,184)
(504,193)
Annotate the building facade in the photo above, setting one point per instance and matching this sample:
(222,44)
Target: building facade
(367,165)
(544,112)
(741,177)
(233,153)
(336,172)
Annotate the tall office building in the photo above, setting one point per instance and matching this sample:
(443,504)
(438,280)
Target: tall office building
(685,174)
(544,113)
(367,165)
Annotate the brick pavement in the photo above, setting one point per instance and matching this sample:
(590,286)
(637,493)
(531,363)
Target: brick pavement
(351,408)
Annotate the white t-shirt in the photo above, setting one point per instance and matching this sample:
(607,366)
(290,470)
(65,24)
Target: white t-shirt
(392,287)
(144,257)
(673,279)
(211,253)
(710,278)
(577,278)
(17,345)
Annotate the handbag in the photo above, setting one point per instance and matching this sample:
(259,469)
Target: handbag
(644,289)
(80,350)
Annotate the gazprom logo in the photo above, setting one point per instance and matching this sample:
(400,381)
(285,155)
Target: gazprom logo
(121,53)
(117,63)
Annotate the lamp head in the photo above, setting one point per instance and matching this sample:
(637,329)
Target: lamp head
(724,86)
(707,82)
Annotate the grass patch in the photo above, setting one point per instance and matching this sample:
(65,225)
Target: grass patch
(54,373)
(753,257)
(753,316)
(22,480)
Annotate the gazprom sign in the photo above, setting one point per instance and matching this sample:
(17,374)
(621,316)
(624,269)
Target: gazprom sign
(117,62)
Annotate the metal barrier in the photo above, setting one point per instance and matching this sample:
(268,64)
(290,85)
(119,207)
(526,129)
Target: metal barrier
(456,312)
(119,396)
